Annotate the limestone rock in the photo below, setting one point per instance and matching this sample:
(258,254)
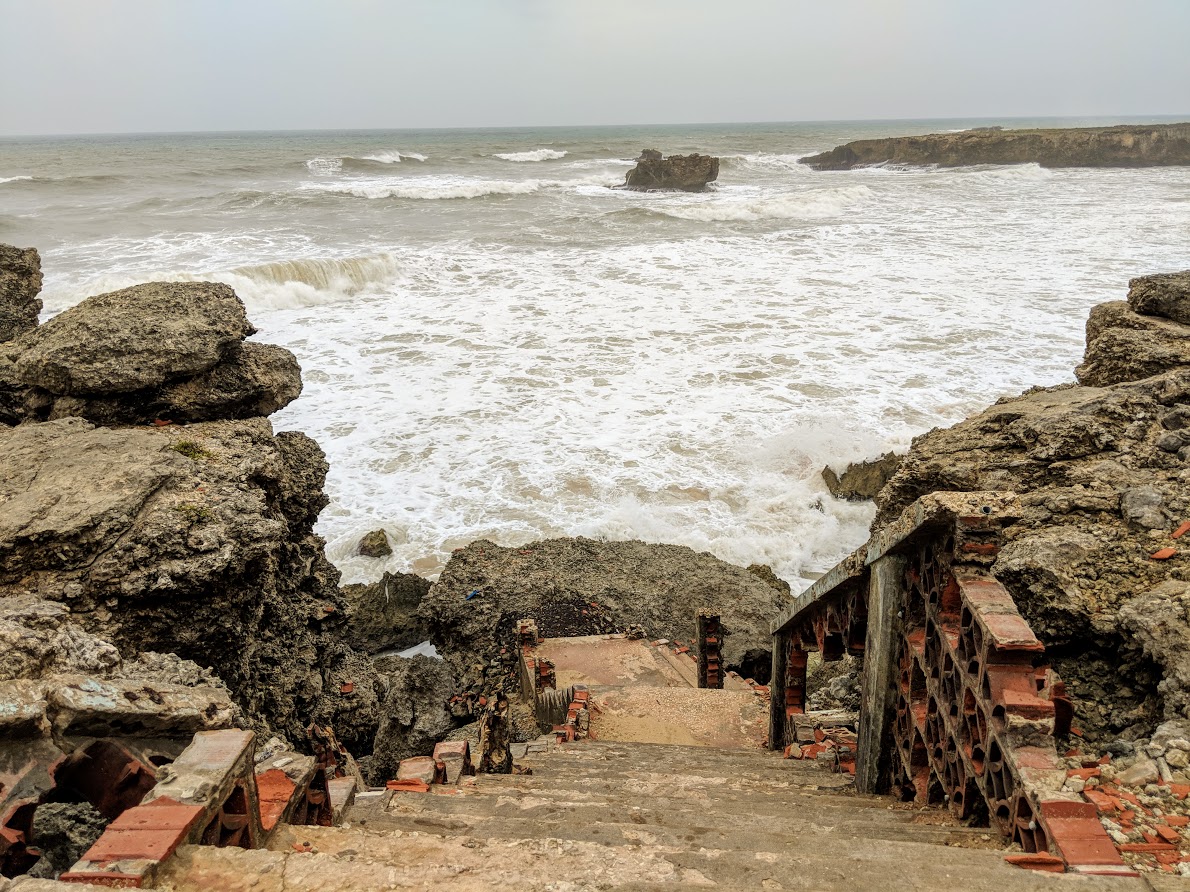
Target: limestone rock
(416,713)
(374,544)
(20,283)
(1165,294)
(580,587)
(1160,619)
(196,542)
(134,339)
(1128,145)
(683,173)
(862,480)
(384,613)
(1123,345)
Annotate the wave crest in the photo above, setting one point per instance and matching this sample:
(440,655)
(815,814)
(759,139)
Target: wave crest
(13,179)
(324,167)
(392,157)
(533,155)
(427,188)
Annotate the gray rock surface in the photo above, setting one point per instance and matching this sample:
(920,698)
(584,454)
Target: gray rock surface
(1123,345)
(682,173)
(63,831)
(134,339)
(384,614)
(20,283)
(415,713)
(1160,620)
(862,480)
(1164,294)
(581,586)
(196,542)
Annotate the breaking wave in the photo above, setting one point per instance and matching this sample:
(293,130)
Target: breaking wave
(534,155)
(392,157)
(427,188)
(13,179)
(324,167)
(764,161)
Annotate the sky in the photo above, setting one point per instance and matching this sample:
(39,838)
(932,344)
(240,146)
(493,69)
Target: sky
(111,66)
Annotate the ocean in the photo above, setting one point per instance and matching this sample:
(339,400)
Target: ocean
(497,343)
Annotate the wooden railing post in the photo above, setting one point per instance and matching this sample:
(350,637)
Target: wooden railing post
(886,597)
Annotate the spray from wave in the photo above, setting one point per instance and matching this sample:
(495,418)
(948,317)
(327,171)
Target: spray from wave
(534,155)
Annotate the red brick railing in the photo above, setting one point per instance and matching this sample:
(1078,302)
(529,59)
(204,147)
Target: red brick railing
(958,705)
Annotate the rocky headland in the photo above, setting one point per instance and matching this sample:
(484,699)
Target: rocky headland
(673,173)
(1128,145)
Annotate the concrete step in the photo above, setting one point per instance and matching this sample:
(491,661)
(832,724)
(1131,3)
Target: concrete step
(354,860)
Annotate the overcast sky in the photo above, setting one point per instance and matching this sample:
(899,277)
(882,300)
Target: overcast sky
(80,66)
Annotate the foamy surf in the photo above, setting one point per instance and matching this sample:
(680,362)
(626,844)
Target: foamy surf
(811,204)
(534,155)
(4,180)
(426,188)
(393,157)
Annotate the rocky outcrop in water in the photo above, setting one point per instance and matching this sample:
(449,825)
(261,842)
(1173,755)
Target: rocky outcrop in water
(681,173)
(1130,145)
(862,480)
(1099,556)
(163,350)
(584,587)
(20,283)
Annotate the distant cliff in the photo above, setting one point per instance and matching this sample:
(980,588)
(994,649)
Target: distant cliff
(1151,145)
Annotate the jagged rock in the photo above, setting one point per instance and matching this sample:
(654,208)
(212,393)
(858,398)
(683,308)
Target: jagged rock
(684,173)
(38,639)
(863,479)
(1165,294)
(1127,145)
(134,339)
(1160,620)
(1123,345)
(384,613)
(20,283)
(63,831)
(415,714)
(579,587)
(374,544)
(765,572)
(253,380)
(196,542)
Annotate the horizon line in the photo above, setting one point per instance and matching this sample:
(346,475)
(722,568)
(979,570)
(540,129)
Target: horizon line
(112,133)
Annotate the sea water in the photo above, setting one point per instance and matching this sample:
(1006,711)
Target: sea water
(496,342)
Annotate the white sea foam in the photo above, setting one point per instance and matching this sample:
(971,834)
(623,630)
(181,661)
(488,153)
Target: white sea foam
(13,179)
(764,161)
(534,155)
(325,167)
(805,205)
(426,187)
(393,157)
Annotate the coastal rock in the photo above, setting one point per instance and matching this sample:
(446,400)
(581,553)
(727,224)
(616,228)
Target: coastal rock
(1166,294)
(416,713)
(134,339)
(1103,480)
(374,544)
(1123,345)
(20,283)
(1127,145)
(683,173)
(252,380)
(196,542)
(862,480)
(384,614)
(582,587)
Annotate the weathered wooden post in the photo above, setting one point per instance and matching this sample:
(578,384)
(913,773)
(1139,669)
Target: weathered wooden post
(886,597)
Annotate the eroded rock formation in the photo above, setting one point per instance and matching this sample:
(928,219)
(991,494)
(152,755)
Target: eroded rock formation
(384,613)
(1103,474)
(583,587)
(1128,145)
(20,283)
(682,173)
(862,480)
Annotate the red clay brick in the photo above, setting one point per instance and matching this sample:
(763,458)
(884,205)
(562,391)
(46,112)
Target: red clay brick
(1037,861)
(1147,848)
(1167,833)
(1164,554)
(1084,773)
(1181,531)
(408,786)
(1177,820)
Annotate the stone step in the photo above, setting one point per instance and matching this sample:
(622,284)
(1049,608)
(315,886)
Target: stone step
(763,830)
(354,860)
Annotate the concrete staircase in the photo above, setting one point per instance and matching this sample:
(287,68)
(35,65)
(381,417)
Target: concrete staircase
(608,815)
